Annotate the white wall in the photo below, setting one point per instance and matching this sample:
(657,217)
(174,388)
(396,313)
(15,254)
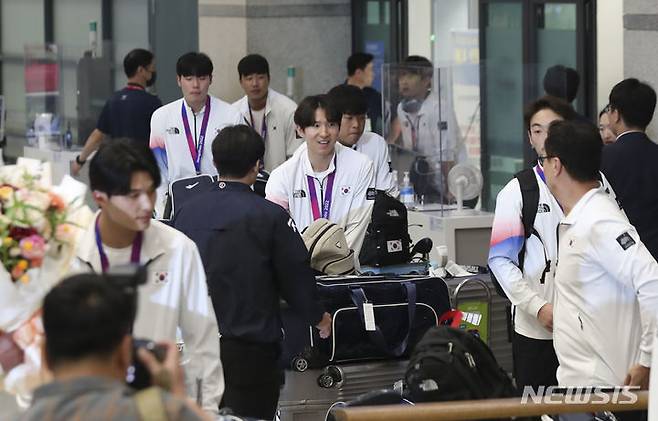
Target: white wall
(640,40)
(420,28)
(224,39)
(314,36)
(449,15)
(609,48)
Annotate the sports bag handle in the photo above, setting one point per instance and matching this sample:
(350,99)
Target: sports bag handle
(376,336)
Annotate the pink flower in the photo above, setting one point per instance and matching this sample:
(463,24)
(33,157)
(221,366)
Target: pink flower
(65,232)
(33,247)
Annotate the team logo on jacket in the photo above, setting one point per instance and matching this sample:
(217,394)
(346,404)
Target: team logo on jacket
(298,194)
(625,240)
(161,277)
(173,130)
(371,193)
(543,208)
(345,190)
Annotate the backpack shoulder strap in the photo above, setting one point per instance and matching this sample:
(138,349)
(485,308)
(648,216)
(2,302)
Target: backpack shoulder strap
(150,405)
(529,204)
(529,199)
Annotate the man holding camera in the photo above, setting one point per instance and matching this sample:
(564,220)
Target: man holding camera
(174,299)
(89,349)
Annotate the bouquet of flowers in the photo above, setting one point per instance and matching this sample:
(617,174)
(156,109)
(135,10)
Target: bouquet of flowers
(39,227)
(32,220)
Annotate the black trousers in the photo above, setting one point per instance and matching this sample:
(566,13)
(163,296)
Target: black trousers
(252,378)
(535,362)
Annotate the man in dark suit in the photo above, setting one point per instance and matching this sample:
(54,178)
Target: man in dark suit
(631,163)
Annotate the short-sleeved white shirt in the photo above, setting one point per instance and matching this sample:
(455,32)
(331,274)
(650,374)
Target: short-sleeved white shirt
(425,126)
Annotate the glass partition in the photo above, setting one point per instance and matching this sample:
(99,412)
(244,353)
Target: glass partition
(432,124)
(43,104)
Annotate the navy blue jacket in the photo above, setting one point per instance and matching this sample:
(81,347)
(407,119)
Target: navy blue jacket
(253,255)
(631,166)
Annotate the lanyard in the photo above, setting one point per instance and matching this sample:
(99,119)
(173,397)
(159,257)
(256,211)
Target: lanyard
(196,150)
(263,128)
(135,87)
(134,254)
(326,203)
(414,131)
(540,171)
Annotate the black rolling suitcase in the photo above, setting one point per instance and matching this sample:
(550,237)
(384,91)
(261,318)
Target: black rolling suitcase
(374,318)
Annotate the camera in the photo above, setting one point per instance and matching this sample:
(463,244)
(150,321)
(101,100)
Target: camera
(137,376)
(128,278)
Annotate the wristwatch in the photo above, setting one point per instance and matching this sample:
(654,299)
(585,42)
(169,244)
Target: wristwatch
(79,161)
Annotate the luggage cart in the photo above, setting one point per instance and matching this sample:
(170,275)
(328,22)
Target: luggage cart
(476,312)
(479,289)
(308,396)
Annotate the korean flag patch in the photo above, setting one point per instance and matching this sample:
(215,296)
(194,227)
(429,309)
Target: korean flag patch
(625,241)
(161,277)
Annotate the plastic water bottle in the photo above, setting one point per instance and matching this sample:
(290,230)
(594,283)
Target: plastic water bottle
(68,137)
(407,191)
(31,137)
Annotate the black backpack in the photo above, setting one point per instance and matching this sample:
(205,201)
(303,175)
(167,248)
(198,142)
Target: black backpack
(451,364)
(387,237)
(530,203)
(183,189)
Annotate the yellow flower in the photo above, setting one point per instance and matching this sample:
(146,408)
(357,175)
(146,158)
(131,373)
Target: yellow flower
(6,192)
(7,241)
(25,278)
(22,264)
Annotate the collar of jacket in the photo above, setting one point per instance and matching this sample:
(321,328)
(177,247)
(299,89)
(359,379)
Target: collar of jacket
(244,106)
(152,245)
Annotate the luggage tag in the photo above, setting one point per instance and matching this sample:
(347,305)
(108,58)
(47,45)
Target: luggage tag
(369,317)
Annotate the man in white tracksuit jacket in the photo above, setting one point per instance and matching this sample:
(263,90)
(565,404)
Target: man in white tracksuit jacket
(352,103)
(324,179)
(182,131)
(267,111)
(529,287)
(175,297)
(606,279)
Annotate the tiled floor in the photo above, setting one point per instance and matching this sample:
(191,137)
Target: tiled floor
(8,407)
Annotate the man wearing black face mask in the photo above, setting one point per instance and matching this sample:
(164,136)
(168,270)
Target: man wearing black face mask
(128,111)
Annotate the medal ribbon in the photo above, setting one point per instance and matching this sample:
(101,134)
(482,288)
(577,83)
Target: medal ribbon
(196,150)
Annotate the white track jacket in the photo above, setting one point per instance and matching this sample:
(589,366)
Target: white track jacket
(175,296)
(351,205)
(606,295)
(169,143)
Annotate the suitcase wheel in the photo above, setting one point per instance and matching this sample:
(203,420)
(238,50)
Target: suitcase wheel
(331,376)
(299,364)
(326,381)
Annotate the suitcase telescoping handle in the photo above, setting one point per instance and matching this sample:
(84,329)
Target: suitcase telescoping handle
(376,336)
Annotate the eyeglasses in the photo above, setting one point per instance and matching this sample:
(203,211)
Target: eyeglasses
(542,158)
